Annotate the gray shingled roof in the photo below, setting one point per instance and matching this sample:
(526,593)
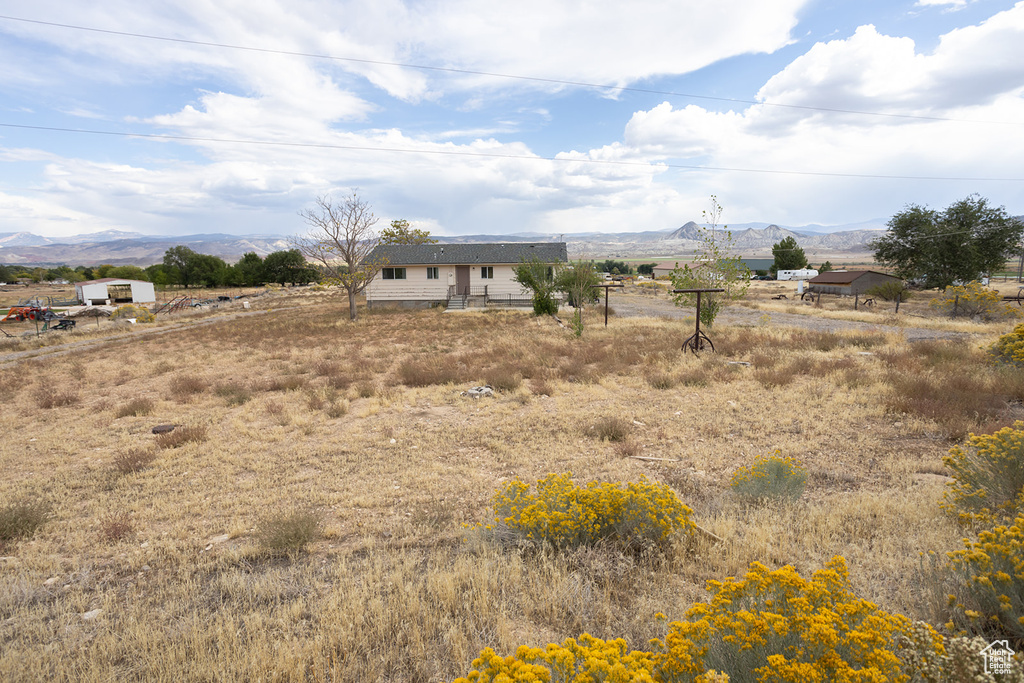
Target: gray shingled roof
(464,254)
(843,277)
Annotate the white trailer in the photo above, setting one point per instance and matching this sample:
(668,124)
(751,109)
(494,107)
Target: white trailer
(805,274)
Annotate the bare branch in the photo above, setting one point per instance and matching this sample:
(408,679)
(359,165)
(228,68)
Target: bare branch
(341,238)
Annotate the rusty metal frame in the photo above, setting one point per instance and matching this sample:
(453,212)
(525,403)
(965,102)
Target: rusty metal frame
(696,341)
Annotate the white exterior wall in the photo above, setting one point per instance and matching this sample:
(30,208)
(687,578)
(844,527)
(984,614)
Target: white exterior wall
(143,293)
(416,286)
(95,292)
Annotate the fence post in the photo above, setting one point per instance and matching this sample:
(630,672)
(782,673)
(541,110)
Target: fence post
(956,304)
(856,300)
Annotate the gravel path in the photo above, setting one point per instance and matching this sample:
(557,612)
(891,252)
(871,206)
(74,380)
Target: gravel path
(633,305)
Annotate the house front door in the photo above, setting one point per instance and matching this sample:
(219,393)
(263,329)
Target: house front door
(461,280)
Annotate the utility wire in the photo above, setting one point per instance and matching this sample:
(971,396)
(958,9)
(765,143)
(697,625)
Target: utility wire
(492,74)
(492,155)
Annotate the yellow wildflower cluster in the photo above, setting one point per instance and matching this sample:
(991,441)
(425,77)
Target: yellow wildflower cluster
(773,476)
(566,515)
(988,477)
(1009,348)
(775,626)
(586,661)
(973,300)
(139,313)
(992,572)
(768,627)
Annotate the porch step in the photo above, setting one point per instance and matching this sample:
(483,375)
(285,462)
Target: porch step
(456,304)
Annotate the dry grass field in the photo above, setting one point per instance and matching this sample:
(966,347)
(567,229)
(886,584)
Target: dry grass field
(153,565)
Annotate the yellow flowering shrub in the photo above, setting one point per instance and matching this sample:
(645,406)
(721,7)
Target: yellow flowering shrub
(770,477)
(585,661)
(140,314)
(635,515)
(990,572)
(1009,348)
(773,626)
(768,627)
(988,477)
(973,300)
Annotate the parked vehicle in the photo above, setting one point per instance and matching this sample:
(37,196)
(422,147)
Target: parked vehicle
(804,274)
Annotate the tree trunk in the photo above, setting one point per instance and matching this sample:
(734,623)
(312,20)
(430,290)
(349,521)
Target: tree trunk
(351,304)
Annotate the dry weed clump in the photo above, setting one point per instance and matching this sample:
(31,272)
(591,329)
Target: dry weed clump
(53,397)
(503,378)
(21,519)
(116,527)
(290,531)
(541,387)
(136,407)
(427,371)
(181,436)
(235,393)
(184,387)
(286,383)
(613,428)
(957,402)
(133,460)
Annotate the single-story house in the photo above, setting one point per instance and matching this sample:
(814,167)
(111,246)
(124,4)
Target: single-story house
(115,290)
(848,282)
(421,275)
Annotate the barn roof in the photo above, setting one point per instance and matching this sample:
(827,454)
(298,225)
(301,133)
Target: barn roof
(111,280)
(461,254)
(844,277)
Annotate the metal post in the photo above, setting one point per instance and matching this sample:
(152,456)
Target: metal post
(606,307)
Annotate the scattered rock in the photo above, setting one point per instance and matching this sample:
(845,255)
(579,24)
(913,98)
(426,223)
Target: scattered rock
(91,614)
(163,429)
(223,538)
(145,567)
(50,581)
(144,545)
(738,362)
(897,425)
(477,392)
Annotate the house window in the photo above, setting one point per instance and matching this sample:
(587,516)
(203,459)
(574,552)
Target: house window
(432,273)
(392,273)
(487,272)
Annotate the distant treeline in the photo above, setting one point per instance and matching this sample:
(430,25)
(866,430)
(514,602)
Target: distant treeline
(185,267)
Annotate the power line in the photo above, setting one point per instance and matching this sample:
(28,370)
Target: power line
(493,155)
(493,74)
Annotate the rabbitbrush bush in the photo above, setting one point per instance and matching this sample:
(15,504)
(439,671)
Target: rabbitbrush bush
(768,627)
(557,511)
(770,477)
(988,477)
(1009,348)
(989,574)
(140,314)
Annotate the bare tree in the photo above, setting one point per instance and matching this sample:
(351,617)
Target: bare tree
(341,239)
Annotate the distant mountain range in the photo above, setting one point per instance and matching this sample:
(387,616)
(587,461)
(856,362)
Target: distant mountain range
(119,247)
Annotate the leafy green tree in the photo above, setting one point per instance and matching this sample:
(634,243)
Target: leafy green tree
(646,268)
(539,278)
(715,267)
(825,267)
(160,275)
(967,240)
(340,243)
(6,274)
(288,266)
(577,280)
(128,273)
(401,232)
(250,270)
(103,271)
(182,264)
(614,267)
(788,256)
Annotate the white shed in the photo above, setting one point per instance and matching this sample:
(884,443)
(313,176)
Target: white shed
(115,291)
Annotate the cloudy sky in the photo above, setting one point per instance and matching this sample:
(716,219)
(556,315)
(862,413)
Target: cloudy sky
(467,117)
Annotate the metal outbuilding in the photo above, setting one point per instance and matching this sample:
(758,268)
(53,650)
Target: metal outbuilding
(849,282)
(112,290)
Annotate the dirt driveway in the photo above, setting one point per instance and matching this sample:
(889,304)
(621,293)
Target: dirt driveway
(636,305)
